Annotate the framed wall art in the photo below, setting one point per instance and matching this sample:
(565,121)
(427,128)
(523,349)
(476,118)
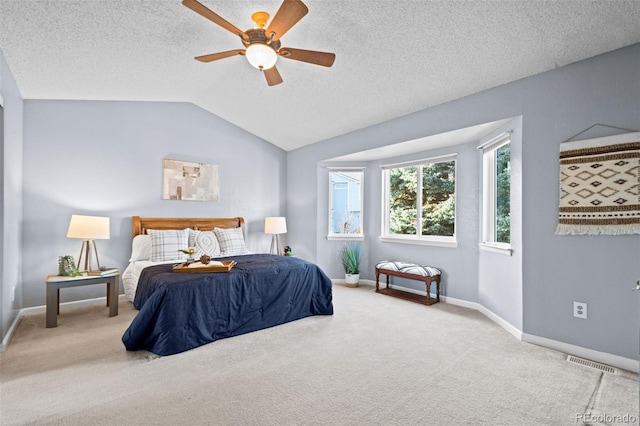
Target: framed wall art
(184,180)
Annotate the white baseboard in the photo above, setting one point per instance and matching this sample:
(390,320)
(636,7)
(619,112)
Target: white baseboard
(39,309)
(514,331)
(579,351)
(12,329)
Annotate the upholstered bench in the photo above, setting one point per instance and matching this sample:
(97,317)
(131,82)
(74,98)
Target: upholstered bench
(412,271)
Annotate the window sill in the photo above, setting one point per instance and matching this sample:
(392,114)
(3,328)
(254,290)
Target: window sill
(503,249)
(347,237)
(437,243)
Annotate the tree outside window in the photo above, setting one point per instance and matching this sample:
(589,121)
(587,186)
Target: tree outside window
(496,193)
(425,191)
(403,196)
(439,207)
(503,196)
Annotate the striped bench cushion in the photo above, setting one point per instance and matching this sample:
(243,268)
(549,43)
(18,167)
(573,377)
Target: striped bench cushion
(408,268)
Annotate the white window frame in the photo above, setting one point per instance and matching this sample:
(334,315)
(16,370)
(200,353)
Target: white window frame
(431,240)
(489,196)
(340,236)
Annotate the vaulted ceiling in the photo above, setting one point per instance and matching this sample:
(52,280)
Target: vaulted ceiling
(392,57)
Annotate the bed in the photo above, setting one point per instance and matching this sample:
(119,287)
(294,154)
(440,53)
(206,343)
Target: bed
(182,311)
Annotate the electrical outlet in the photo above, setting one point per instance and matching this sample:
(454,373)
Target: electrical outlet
(580,310)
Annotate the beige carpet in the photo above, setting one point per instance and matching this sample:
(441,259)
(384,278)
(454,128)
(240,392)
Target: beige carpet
(377,361)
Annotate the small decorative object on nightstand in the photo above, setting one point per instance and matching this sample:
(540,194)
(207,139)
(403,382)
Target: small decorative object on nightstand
(287,251)
(67,266)
(102,271)
(55,282)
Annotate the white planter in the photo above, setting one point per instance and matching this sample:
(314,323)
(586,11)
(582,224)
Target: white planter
(351,280)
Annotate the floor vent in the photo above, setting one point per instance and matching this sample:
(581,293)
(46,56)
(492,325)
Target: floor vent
(591,364)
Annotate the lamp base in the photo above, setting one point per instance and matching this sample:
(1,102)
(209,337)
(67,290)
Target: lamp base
(86,250)
(275,244)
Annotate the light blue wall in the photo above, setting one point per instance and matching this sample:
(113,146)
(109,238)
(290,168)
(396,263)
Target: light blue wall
(11,168)
(556,270)
(105,158)
(597,270)
(500,276)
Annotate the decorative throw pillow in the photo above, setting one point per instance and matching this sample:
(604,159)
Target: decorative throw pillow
(140,248)
(205,242)
(231,241)
(166,244)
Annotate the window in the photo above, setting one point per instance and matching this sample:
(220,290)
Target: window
(345,203)
(496,197)
(420,201)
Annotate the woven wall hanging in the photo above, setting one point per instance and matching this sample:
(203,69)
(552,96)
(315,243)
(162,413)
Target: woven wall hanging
(599,186)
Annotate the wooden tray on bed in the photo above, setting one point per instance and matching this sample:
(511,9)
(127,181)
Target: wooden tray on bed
(199,267)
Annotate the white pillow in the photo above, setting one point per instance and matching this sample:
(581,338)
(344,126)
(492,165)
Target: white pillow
(205,242)
(231,241)
(166,244)
(140,248)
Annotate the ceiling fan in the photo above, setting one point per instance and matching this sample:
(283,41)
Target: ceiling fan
(262,46)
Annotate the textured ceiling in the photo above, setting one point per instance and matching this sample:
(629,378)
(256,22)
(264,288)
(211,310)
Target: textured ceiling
(392,57)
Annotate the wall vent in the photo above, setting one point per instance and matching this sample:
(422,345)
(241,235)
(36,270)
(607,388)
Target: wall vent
(591,364)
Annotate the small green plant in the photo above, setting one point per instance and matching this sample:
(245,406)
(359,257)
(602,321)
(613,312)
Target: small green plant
(351,258)
(189,251)
(67,266)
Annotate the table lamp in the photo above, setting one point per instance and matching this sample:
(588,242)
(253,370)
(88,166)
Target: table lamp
(275,226)
(89,229)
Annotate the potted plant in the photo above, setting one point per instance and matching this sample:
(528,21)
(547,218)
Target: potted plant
(351,263)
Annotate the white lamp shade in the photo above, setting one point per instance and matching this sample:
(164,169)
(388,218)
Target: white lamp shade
(275,225)
(261,56)
(88,227)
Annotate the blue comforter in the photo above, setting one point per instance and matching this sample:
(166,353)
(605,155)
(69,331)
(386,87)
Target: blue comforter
(180,311)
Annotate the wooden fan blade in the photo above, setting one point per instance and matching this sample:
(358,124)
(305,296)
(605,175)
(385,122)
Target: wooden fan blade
(311,56)
(202,10)
(273,76)
(220,55)
(290,12)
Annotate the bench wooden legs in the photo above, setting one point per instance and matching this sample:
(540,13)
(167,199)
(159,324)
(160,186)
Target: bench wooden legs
(406,295)
(378,279)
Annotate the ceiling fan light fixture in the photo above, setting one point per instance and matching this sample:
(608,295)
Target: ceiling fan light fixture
(262,44)
(261,56)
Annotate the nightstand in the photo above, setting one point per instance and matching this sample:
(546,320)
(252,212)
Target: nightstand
(55,282)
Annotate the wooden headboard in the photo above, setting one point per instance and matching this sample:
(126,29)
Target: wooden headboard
(141,224)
